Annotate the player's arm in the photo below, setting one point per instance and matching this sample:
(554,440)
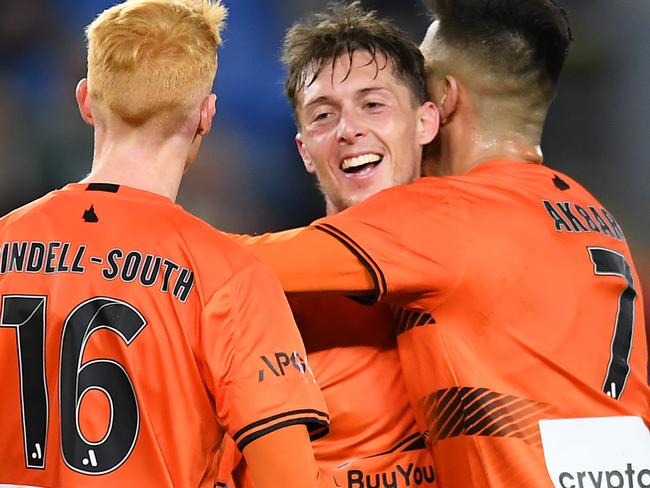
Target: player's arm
(403,241)
(284,458)
(265,394)
(312,260)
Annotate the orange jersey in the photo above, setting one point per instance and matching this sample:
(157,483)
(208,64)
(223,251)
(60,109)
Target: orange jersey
(516,304)
(353,355)
(132,337)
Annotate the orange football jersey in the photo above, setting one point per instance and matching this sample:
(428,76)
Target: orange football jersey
(133,336)
(353,354)
(373,437)
(516,305)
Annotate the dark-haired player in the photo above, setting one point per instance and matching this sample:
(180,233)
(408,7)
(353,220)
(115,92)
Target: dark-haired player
(517,304)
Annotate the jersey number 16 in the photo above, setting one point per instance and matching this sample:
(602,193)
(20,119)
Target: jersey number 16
(26,314)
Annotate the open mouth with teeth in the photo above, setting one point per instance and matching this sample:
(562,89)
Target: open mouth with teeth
(361,164)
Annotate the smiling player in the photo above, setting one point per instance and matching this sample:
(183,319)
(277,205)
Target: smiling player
(517,302)
(362,120)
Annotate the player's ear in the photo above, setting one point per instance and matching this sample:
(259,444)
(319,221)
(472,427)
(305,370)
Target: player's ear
(83,101)
(449,101)
(208,111)
(428,122)
(304,154)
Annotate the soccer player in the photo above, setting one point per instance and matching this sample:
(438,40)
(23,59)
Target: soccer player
(132,334)
(517,304)
(381,101)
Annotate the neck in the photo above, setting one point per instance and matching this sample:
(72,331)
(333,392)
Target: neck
(140,159)
(459,150)
(330,209)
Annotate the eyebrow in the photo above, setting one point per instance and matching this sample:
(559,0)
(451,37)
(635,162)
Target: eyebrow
(358,93)
(372,89)
(318,100)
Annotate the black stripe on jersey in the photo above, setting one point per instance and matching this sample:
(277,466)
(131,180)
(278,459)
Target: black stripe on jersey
(317,428)
(378,278)
(410,443)
(405,319)
(258,423)
(318,418)
(453,412)
(417,443)
(108,187)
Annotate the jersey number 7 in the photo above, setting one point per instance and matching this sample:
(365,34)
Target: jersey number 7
(610,263)
(26,313)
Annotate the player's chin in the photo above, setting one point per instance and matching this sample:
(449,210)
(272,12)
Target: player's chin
(376,184)
(361,194)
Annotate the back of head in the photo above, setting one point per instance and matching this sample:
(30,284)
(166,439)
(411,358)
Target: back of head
(341,31)
(153,59)
(513,47)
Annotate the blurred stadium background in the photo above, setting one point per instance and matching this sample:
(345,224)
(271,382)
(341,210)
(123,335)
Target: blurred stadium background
(248,177)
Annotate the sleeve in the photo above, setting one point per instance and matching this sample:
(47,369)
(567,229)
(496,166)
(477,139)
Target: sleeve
(308,261)
(403,241)
(411,240)
(258,364)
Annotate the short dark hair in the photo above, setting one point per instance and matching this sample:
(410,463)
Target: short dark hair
(513,35)
(342,30)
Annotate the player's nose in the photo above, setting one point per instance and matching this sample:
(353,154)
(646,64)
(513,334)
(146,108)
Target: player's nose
(348,129)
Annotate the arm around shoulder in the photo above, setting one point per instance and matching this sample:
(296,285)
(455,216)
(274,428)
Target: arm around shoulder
(308,260)
(284,458)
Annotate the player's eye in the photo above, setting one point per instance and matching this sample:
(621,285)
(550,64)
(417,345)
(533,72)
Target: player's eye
(373,105)
(320,116)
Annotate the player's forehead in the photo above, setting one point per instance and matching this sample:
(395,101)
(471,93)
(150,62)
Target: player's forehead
(349,75)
